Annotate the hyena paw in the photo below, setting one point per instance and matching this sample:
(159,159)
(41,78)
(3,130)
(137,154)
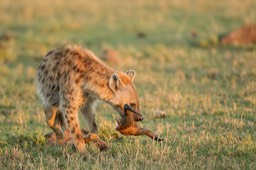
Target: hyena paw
(80,147)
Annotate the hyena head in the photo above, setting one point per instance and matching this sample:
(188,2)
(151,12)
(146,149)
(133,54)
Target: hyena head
(124,94)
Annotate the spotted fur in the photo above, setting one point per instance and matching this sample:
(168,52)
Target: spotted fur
(70,79)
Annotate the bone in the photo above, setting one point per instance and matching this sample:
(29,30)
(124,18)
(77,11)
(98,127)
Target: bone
(160,114)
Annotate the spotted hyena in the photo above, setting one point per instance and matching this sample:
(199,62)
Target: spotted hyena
(70,79)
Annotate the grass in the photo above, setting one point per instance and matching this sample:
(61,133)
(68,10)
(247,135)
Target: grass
(209,94)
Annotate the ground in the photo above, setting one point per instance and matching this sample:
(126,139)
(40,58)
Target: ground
(208,92)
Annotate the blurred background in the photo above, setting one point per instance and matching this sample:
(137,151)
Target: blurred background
(195,62)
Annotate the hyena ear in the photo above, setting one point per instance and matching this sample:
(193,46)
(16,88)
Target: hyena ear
(114,82)
(131,74)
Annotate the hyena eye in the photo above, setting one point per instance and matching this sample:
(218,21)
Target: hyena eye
(133,105)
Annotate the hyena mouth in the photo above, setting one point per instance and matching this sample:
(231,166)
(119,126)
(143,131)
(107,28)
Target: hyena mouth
(137,116)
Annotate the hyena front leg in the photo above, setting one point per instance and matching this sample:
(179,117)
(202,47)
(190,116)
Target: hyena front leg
(87,111)
(71,115)
(51,114)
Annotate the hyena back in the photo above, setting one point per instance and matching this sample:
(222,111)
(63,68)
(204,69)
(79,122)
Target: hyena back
(70,79)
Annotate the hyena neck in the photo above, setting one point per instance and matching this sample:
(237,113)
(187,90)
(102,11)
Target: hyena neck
(98,82)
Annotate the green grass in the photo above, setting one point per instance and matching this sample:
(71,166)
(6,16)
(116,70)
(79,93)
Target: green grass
(209,94)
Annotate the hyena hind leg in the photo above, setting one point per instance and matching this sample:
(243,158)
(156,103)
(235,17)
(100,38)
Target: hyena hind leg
(61,119)
(52,115)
